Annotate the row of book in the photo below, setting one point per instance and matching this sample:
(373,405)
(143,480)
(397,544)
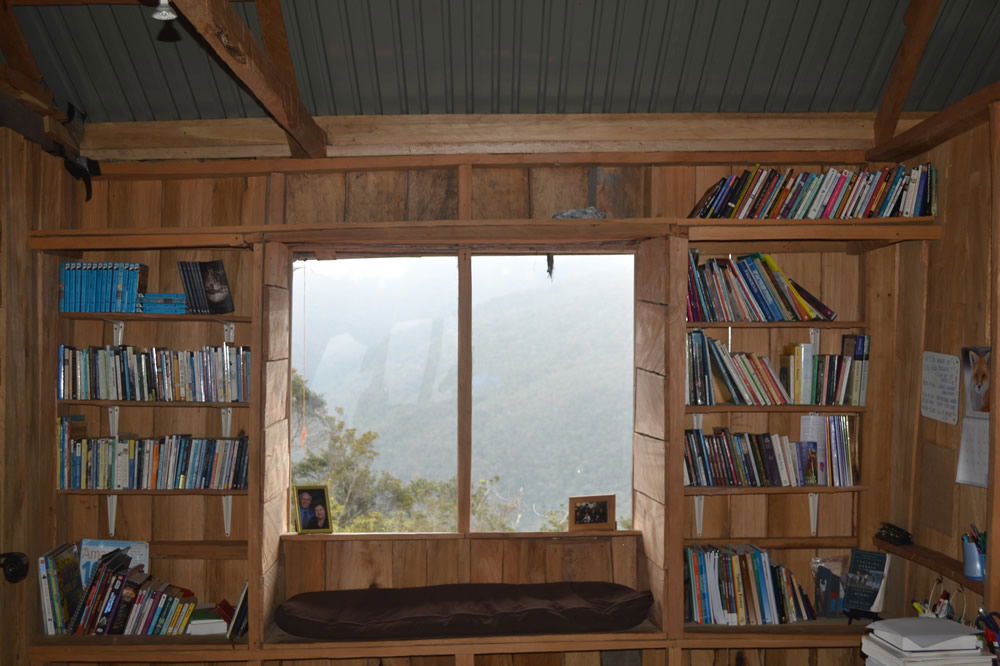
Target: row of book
(114,595)
(101,286)
(829,457)
(717,376)
(174,462)
(124,372)
(752,288)
(120,286)
(739,585)
(761,193)
(827,379)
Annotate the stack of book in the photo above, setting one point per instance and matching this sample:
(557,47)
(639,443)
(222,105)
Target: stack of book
(748,460)
(173,462)
(928,641)
(761,193)
(101,286)
(738,585)
(162,303)
(752,288)
(211,374)
(119,598)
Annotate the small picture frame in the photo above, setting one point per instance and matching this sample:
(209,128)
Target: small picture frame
(592,512)
(312,510)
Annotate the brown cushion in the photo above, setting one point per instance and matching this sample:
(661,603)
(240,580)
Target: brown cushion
(471,609)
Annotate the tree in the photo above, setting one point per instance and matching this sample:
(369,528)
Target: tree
(364,499)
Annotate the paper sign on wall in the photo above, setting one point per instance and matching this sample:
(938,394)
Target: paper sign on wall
(939,394)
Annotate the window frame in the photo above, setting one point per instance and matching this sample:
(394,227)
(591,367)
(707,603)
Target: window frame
(464,254)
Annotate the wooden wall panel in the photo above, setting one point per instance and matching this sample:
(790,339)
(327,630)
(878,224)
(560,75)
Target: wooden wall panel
(374,196)
(500,193)
(315,198)
(432,194)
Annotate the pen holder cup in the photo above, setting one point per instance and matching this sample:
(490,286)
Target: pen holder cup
(975,565)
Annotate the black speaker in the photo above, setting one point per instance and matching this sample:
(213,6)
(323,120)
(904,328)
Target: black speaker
(15,566)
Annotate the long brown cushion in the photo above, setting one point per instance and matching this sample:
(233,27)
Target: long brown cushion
(469,609)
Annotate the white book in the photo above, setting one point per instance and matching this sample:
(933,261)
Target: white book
(924,634)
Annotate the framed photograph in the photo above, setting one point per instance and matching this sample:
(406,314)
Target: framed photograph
(312,509)
(593,512)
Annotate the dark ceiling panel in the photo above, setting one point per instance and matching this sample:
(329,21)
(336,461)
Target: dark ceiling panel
(357,57)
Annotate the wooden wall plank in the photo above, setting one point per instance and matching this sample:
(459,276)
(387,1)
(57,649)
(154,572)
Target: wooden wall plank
(432,194)
(315,198)
(555,189)
(375,195)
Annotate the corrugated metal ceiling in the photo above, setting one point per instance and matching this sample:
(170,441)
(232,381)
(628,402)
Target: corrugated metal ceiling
(524,56)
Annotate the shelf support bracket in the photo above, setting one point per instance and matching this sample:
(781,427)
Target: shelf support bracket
(227,514)
(813,513)
(113,414)
(699,514)
(229,332)
(117,332)
(226,413)
(112,501)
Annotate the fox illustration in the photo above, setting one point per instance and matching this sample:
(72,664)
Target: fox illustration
(979,383)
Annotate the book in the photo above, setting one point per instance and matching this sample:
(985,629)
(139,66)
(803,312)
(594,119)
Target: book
(238,625)
(865,581)
(206,287)
(206,620)
(921,634)
(65,585)
(91,551)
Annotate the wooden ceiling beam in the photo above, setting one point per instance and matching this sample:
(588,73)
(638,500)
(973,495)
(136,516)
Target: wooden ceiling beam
(272,30)
(14,46)
(226,34)
(964,114)
(422,135)
(919,20)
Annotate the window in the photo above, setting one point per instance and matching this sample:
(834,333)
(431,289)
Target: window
(375,388)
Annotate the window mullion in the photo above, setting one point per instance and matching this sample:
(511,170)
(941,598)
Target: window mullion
(464,471)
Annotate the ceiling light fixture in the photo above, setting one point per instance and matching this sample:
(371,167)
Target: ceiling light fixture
(164,12)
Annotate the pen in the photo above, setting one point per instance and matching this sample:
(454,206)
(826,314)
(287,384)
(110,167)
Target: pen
(920,609)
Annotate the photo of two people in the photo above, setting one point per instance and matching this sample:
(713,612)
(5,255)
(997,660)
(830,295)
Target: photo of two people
(312,509)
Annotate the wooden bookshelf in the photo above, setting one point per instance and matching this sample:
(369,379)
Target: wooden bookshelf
(155,317)
(155,403)
(778,543)
(152,491)
(947,566)
(790,409)
(770,490)
(776,324)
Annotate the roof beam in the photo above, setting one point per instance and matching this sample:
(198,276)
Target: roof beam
(361,136)
(919,20)
(231,39)
(272,29)
(15,46)
(947,123)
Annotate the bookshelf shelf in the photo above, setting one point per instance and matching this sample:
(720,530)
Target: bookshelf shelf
(202,550)
(778,543)
(139,316)
(947,566)
(822,632)
(189,491)
(154,403)
(776,324)
(770,490)
(756,409)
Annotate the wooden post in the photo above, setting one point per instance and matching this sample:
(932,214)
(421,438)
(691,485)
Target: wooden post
(991,595)
(464,485)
